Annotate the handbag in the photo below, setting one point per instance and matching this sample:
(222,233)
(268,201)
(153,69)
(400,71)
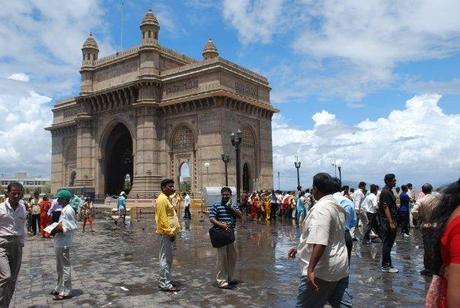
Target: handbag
(220,237)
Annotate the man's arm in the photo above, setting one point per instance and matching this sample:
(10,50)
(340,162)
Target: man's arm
(317,253)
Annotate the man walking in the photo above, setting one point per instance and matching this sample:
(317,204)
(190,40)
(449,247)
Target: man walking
(223,215)
(187,214)
(322,250)
(121,207)
(423,212)
(167,227)
(404,211)
(358,198)
(371,206)
(35,212)
(12,231)
(388,214)
(63,238)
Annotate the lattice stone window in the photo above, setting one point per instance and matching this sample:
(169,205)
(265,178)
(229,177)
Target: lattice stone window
(183,139)
(248,138)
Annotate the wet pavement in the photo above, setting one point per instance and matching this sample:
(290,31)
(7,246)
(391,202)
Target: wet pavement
(118,267)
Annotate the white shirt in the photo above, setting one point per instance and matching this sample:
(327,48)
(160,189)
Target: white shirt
(370,203)
(69,225)
(13,222)
(324,225)
(55,207)
(187,201)
(358,198)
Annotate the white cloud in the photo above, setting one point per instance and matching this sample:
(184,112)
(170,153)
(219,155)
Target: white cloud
(255,20)
(25,143)
(346,48)
(419,143)
(19,77)
(43,38)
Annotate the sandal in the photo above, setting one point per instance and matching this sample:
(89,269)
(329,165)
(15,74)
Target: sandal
(61,297)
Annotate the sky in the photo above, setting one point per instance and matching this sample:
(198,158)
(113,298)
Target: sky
(371,86)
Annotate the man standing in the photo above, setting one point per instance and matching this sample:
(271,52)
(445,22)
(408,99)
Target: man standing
(187,214)
(223,215)
(358,198)
(167,227)
(388,214)
(121,207)
(12,231)
(371,206)
(322,250)
(63,238)
(423,212)
(35,212)
(404,211)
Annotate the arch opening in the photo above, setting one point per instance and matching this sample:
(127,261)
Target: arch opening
(118,160)
(185,183)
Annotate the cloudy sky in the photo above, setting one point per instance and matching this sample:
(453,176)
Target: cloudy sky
(373,86)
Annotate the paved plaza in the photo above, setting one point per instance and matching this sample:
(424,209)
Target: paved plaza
(118,267)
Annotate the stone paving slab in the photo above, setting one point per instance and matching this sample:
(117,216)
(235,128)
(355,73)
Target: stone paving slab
(118,267)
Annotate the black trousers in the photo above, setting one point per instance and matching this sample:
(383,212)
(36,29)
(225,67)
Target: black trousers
(35,223)
(349,244)
(187,213)
(388,241)
(372,224)
(428,253)
(404,222)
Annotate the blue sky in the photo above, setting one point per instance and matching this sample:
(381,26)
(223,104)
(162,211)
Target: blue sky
(373,85)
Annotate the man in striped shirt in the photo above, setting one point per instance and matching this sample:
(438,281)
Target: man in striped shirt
(223,215)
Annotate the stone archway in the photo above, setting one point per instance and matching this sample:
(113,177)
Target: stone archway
(185,183)
(118,159)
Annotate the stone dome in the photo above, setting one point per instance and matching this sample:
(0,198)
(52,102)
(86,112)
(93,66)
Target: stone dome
(90,42)
(210,50)
(150,19)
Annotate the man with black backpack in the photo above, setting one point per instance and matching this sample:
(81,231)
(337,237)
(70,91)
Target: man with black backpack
(223,216)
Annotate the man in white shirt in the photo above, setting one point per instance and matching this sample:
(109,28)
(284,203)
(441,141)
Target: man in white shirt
(63,238)
(187,214)
(358,198)
(12,232)
(371,206)
(322,250)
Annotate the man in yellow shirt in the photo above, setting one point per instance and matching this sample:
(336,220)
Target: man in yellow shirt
(167,227)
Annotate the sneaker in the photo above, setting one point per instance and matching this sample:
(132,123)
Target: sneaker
(389,270)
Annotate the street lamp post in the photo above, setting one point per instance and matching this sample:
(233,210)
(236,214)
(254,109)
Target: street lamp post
(297,164)
(226,159)
(236,142)
(340,174)
(206,164)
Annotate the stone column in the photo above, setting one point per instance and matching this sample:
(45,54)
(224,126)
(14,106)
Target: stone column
(85,172)
(146,179)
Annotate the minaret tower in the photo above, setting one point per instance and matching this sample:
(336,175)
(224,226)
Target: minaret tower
(150,29)
(210,50)
(90,52)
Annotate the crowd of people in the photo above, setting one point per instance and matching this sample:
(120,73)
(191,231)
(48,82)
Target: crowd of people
(330,217)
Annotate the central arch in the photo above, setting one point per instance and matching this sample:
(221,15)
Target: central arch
(118,159)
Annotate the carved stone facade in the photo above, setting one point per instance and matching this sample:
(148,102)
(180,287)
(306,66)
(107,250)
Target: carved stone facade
(148,110)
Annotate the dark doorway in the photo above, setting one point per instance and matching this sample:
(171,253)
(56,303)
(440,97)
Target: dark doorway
(246,178)
(118,159)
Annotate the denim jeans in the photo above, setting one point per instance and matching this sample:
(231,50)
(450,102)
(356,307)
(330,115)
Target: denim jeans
(388,241)
(336,293)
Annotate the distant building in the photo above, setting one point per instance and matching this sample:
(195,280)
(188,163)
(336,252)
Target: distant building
(30,183)
(148,110)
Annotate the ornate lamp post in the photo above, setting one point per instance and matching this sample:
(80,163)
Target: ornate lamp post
(340,175)
(297,164)
(206,164)
(226,159)
(236,142)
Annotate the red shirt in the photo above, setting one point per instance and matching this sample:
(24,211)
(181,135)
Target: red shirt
(450,251)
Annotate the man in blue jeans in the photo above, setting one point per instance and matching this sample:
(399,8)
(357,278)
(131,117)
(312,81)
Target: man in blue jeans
(322,250)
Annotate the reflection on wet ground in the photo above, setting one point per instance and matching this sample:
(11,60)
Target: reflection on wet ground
(118,267)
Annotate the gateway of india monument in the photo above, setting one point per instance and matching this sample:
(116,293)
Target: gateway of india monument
(150,112)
